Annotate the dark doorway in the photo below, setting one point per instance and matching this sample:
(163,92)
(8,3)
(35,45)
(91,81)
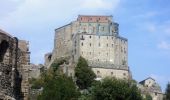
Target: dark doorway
(3,48)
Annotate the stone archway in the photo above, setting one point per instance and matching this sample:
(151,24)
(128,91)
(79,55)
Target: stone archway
(3,48)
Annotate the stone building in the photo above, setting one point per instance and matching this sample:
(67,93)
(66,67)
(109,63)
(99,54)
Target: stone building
(14,62)
(149,86)
(97,39)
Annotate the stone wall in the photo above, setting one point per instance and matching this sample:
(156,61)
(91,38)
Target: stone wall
(13,67)
(96,38)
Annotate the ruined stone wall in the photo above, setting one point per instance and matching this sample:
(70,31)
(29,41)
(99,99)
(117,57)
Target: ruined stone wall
(8,66)
(14,61)
(24,65)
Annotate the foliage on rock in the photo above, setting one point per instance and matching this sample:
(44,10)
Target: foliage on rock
(84,75)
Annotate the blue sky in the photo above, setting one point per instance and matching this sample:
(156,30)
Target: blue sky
(146,24)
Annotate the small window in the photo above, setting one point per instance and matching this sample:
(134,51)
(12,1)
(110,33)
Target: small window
(107,37)
(90,44)
(90,36)
(97,59)
(98,72)
(111,73)
(107,54)
(82,53)
(99,37)
(75,51)
(124,74)
(102,28)
(82,44)
(99,44)
(90,53)
(112,37)
(156,94)
(107,45)
(112,45)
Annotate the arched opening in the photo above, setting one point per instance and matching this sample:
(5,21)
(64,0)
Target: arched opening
(3,48)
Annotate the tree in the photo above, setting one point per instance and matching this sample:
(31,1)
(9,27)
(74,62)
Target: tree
(168,92)
(83,73)
(59,88)
(114,89)
(148,97)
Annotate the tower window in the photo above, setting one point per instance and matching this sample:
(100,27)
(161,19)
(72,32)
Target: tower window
(90,44)
(99,44)
(98,72)
(112,45)
(107,45)
(82,44)
(111,73)
(124,74)
(90,36)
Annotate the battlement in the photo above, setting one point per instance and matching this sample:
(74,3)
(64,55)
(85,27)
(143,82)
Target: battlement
(94,19)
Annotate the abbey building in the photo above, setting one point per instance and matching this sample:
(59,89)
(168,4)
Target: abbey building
(97,39)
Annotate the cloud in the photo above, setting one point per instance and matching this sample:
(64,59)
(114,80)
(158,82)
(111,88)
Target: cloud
(30,19)
(164,45)
(100,4)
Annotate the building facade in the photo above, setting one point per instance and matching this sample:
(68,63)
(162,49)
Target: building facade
(149,86)
(97,39)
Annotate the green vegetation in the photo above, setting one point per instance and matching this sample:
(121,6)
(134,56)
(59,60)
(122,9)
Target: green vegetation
(57,86)
(148,97)
(84,75)
(167,93)
(115,89)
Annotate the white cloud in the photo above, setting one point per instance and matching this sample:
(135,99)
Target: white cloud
(34,18)
(100,4)
(38,11)
(164,45)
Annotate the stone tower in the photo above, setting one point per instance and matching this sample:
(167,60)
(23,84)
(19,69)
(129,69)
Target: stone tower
(97,39)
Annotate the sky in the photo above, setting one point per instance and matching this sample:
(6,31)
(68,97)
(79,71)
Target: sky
(145,23)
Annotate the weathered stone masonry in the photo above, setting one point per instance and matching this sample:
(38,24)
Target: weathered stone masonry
(11,68)
(97,39)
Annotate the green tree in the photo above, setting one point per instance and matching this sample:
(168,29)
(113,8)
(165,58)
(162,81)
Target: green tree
(167,93)
(59,88)
(83,73)
(148,97)
(114,89)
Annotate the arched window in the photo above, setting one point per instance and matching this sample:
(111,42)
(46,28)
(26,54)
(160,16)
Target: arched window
(3,48)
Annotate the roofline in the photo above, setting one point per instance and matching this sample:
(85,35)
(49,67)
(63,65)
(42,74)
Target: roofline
(63,26)
(146,79)
(96,15)
(5,33)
